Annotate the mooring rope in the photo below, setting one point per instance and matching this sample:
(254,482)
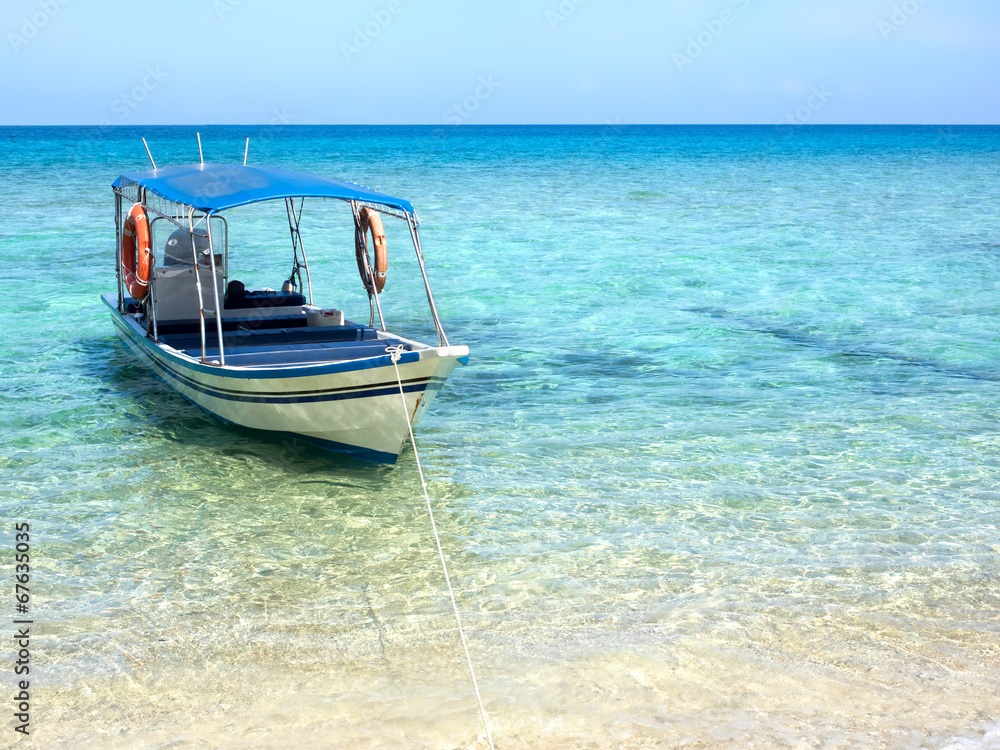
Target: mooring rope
(395,352)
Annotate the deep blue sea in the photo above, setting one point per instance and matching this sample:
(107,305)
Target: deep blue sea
(723,471)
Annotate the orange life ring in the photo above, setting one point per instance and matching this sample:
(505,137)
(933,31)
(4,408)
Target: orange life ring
(370,221)
(137,254)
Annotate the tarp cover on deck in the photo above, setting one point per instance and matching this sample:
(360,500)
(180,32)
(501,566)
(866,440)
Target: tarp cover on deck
(216,187)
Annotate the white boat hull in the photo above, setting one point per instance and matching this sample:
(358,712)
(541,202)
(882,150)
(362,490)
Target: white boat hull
(351,407)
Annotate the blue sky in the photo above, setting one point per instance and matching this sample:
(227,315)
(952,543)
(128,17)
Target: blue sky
(517,61)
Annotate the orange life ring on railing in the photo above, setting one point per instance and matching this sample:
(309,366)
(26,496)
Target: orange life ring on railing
(137,254)
(370,221)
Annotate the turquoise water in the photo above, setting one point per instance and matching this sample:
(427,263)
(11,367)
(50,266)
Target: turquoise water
(724,470)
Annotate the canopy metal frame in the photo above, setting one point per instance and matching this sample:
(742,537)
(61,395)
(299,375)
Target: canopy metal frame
(183,216)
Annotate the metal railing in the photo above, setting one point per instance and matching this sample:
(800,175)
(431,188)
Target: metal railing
(183,216)
(207,218)
(293,225)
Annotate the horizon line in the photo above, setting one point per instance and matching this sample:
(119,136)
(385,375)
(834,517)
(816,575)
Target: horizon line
(451,126)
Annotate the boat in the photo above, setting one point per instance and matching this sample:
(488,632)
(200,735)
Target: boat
(262,358)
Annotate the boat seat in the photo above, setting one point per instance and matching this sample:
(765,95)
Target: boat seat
(192,326)
(270,337)
(300,353)
(257,300)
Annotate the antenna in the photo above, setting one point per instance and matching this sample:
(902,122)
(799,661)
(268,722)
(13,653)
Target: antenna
(246,151)
(200,155)
(149,154)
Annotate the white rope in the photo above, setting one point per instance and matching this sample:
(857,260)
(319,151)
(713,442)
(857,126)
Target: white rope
(395,352)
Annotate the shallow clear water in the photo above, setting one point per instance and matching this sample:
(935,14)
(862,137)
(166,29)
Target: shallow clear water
(724,470)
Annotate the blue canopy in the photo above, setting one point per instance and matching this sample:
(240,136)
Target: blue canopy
(215,187)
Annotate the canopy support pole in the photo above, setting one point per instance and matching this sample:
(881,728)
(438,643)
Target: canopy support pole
(215,287)
(412,222)
(197,281)
(294,221)
(215,290)
(118,250)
